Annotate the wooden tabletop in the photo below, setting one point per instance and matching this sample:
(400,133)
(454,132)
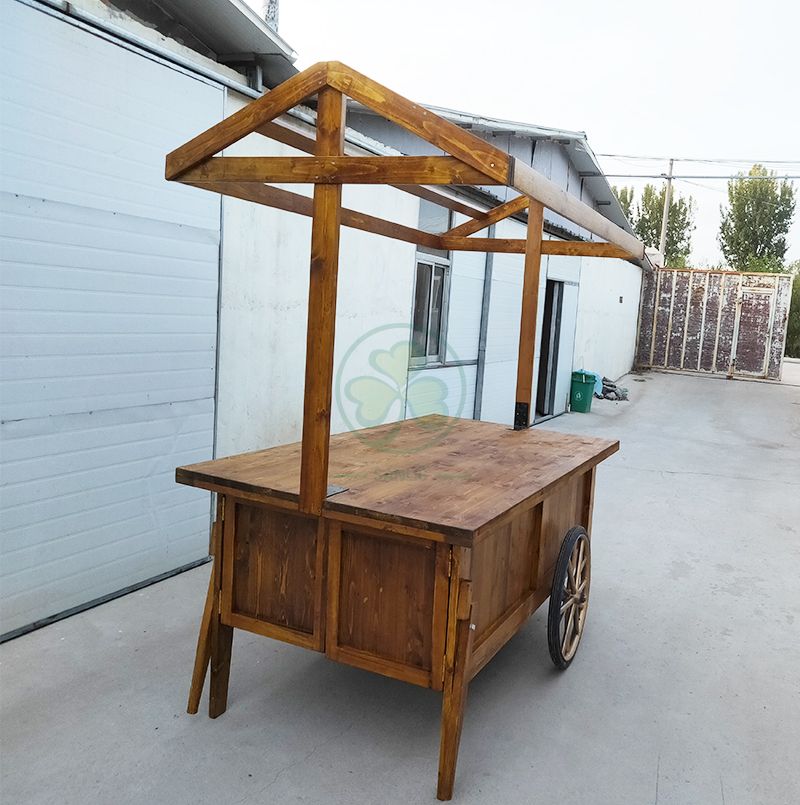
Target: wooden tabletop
(453,476)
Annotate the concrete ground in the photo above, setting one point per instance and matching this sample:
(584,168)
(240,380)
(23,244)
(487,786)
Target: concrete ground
(686,689)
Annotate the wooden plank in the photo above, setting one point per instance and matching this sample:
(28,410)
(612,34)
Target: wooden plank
(385,601)
(303,205)
(221,632)
(555,198)
(418,120)
(260,627)
(277,101)
(321,309)
(288,135)
(504,563)
(491,217)
(506,629)
(527,327)
(456,682)
(441,592)
(210,611)
(431,170)
(585,248)
(273,565)
(319,584)
(202,655)
(579,248)
(410,486)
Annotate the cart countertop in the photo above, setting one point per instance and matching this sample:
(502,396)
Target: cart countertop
(435,473)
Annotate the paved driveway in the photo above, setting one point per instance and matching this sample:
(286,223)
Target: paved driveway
(686,689)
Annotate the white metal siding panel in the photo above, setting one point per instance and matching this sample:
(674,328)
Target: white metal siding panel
(464,310)
(446,390)
(502,334)
(109,285)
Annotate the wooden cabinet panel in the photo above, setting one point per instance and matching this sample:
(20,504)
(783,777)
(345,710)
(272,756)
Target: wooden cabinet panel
(504,568)
(387,596)
(272,567)
(567,506)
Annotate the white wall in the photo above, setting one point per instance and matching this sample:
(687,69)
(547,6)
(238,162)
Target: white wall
(109,303)
(265,267)
(502,333)
(605,339)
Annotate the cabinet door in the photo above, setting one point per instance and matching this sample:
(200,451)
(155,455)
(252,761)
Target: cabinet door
(387,603)
(273,573)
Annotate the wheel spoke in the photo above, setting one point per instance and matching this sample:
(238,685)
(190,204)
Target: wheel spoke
(567,604)
(568,630)
(572,582)
(580,562)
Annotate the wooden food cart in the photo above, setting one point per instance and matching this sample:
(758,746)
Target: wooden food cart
(415,549)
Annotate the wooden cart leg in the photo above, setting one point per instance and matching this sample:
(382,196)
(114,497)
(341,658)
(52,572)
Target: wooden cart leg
(221,644)
(203,655)
(456,682)
(215,640)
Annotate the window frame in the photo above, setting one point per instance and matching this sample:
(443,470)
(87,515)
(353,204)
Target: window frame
(433,261)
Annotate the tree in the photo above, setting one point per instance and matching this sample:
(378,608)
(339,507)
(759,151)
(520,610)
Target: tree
(646,221)
(753,229)
(793,325)
(649,213)
(625,197)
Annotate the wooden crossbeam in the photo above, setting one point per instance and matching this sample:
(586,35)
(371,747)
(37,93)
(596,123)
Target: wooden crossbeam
(277,101)
(491,217)
(576,248)
(295,139)
(429,126)
(302,205)
(338,170)
(527,326)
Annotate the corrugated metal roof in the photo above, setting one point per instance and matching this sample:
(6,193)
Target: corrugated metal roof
(575,143)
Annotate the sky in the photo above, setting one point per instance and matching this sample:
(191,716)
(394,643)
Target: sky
(698,79)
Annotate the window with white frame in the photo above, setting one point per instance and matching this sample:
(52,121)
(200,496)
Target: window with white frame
(431,290)
(430,298)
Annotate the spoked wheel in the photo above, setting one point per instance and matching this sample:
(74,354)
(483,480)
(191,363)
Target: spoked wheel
(569,597)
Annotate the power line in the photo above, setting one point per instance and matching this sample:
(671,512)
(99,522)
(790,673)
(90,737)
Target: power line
(720,160)
(785,177)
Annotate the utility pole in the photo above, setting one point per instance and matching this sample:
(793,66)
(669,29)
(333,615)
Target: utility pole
(662,244)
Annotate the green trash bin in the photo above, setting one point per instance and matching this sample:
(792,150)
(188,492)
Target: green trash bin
(580,398)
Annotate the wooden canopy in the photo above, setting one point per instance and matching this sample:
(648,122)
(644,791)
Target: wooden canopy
(469,160)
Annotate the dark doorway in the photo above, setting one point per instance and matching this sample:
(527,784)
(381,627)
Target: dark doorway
(548,360)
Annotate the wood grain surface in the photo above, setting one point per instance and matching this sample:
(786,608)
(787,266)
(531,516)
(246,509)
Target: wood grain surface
(446,476)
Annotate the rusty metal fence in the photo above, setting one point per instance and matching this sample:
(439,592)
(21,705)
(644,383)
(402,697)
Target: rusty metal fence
(723,322)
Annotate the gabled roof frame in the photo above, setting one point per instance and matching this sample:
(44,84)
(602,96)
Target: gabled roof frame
(468,160)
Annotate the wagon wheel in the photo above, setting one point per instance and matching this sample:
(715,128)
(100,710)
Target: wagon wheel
(569,597)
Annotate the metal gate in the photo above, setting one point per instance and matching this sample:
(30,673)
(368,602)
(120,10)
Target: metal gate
(723,322)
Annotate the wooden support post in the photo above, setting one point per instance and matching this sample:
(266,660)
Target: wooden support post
(527,325)
(456,681)
(221,634)
(327,205)
(215,639)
